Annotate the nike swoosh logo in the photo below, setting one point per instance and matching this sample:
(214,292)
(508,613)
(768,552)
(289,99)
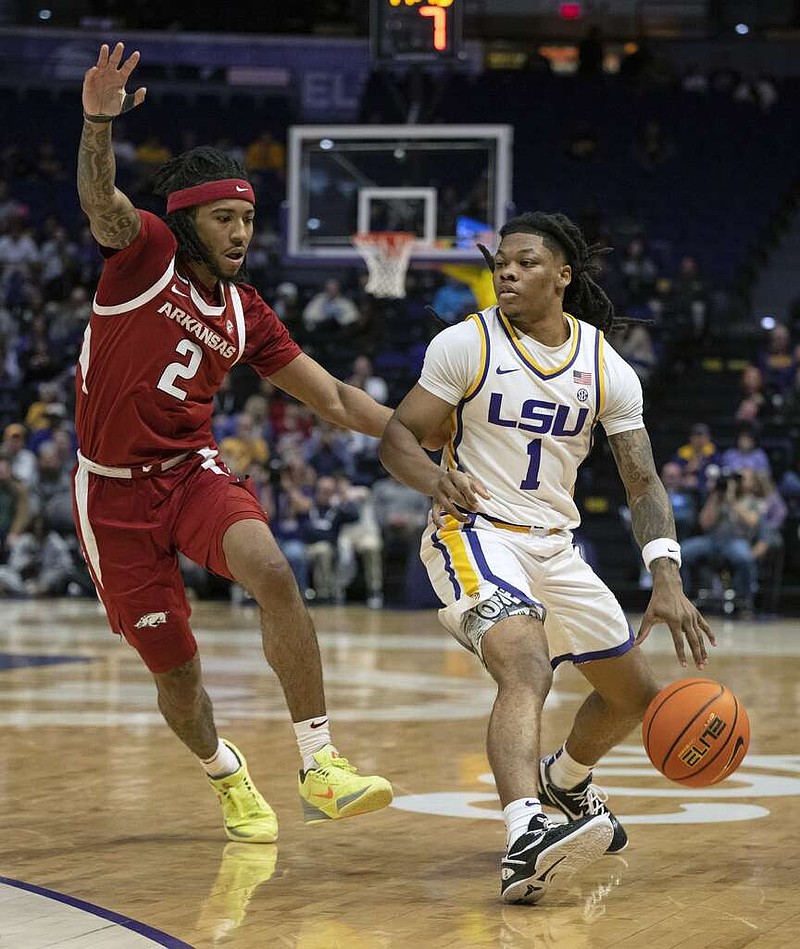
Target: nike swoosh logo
(544,877)
(327,795)
(319,724)
(179,292)
(349,798)
(503,372)
(241,189)
(146,468)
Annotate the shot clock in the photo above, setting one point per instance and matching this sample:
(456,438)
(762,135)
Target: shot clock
(415,31)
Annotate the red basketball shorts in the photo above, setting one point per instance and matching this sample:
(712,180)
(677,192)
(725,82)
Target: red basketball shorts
(131,532)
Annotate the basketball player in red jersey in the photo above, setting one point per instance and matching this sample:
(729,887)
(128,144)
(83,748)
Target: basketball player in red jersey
(170,319)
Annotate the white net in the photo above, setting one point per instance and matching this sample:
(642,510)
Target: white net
(387,255)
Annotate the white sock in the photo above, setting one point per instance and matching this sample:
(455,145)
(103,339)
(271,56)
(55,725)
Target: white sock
(222,763)
(565,771)
(312,734)
(517,816)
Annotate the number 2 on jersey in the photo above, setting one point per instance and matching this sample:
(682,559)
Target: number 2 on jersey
(531,480)
(177,370)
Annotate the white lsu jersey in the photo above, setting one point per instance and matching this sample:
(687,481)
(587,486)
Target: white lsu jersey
(525,413)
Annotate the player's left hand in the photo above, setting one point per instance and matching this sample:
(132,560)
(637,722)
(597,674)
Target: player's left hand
(668,604)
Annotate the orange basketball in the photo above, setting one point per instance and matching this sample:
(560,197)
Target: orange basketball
(696,732)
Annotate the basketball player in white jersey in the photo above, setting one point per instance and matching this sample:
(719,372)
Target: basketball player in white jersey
(526,382)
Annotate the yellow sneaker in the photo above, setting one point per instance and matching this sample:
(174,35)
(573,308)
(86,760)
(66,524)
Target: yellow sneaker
(334,789)
(248,818)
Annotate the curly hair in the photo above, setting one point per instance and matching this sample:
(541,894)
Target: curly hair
(583,297)
(195,167)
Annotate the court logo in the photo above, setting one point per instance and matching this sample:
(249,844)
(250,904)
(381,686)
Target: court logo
(151,619)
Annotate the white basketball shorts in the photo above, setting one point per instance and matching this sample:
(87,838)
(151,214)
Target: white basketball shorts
(468,564)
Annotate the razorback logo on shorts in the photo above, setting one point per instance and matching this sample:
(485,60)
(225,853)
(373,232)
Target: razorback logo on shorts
(151,619)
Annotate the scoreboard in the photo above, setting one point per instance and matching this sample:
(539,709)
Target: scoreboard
(415,31)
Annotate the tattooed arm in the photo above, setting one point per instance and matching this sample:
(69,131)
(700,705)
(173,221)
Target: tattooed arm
(651,518)
(113,219)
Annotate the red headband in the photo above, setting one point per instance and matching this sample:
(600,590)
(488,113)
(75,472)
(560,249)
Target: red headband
(210,191)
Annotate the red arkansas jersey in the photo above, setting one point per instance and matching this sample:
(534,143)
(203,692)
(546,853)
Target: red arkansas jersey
(157,349)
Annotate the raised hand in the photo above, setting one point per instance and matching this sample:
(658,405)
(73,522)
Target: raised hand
(104,83)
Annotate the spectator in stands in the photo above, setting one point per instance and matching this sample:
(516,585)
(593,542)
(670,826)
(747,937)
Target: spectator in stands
(688,301)
(48,166)
(746,453)
(634,343)
(695,457)
(292,493)
(40,563)
(51,494)
(21,459)
(773,515)
(58,262)
(326,451)
(330,309)
(639,272)
(360,539)
(779,365)
(265,154)
(10,405)
(730,521)
(19,261)
(753,401)
(245,447)
(9,206)
(363,377)
(285,303)
(14,506)
(326,516)
(682,500)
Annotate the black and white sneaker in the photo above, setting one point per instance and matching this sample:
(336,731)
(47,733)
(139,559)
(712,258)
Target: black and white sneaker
(584,800)
(548,851)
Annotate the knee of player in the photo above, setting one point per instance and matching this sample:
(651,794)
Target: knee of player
(269,580)
(516,655)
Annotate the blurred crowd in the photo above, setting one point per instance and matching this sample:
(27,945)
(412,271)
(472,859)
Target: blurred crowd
(344,526)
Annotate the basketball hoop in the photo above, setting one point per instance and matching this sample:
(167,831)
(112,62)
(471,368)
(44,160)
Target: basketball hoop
(387,255)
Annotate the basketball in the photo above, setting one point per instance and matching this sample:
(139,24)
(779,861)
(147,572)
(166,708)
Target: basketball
(696,732)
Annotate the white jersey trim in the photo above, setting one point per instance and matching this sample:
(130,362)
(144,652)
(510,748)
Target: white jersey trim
(87,534)
(238,310)
(143,298)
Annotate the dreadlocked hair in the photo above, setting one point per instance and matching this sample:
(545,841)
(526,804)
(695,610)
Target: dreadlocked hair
(583,297)
(194,167)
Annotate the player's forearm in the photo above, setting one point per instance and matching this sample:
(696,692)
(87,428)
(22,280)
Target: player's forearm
(97,167)
(404,458)
(651,515)
(356,410)
(652,518)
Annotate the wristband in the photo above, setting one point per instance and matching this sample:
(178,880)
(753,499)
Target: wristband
(661,547)
(128,102)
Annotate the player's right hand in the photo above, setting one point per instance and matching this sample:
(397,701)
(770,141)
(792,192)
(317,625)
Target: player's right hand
(104,83)
(456,491)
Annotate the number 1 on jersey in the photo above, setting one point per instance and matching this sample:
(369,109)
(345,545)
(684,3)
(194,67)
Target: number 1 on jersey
(531,480)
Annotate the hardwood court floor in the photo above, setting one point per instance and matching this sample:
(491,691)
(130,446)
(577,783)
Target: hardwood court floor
(101,805)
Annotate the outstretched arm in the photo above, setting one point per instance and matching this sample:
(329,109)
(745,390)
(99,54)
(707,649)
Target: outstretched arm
(113,219)
(651,519)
